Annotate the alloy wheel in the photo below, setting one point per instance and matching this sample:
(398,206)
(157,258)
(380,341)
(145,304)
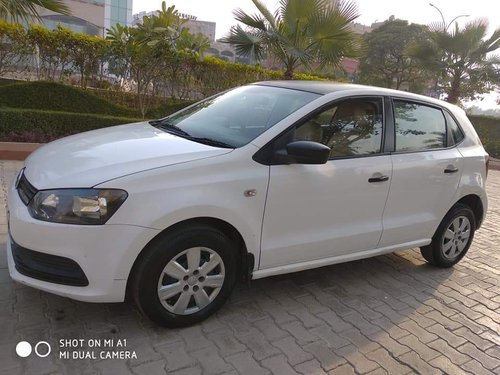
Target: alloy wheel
(456,237)
(191,280)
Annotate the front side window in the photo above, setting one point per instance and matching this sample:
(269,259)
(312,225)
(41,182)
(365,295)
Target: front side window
(418,127)
(238,116)
(350,128)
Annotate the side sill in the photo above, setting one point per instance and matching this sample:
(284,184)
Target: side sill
(296,267)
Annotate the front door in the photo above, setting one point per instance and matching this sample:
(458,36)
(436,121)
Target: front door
(320,211)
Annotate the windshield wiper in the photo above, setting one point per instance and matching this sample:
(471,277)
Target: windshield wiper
(171,128)
(174,129)
(210,142)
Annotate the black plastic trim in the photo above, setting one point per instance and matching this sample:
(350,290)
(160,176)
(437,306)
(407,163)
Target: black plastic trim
(25,190)
(47,267)
(390,126)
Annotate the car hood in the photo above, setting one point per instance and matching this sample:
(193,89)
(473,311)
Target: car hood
(90,158)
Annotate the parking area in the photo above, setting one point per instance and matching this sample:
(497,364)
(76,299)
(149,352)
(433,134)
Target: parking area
(389,314)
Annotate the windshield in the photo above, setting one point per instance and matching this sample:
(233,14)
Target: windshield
(236,117)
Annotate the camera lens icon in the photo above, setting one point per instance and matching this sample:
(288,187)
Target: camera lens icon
(24,349)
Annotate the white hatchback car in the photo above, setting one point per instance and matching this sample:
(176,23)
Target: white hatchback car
(261,180)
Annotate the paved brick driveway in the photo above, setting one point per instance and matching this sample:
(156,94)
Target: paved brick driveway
(390,314)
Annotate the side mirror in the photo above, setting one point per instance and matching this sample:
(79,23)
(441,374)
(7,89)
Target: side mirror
(307,152)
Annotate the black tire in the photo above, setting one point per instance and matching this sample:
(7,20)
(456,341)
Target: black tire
(435,253)
(146,274)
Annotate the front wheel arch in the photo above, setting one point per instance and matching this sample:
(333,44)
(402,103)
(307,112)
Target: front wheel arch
(245,260)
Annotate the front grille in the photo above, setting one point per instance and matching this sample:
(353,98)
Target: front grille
(25,190)
(47,267)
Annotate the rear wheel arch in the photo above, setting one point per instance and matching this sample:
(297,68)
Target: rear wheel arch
(476,205)
(452,238)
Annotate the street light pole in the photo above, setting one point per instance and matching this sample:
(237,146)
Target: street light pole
(446,27)
(441,13)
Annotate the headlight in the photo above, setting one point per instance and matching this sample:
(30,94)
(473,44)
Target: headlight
(76,206)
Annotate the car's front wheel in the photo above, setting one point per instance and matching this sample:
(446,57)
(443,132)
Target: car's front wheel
(185,276)
(452,238)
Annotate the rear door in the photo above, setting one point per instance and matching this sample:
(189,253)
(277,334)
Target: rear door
(426,173)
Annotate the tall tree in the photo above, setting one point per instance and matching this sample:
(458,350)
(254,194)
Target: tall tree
(386,61)
(463,59)
(17,10)
(301,33)
(145,53)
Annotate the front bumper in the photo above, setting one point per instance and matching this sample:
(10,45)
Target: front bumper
(105,253)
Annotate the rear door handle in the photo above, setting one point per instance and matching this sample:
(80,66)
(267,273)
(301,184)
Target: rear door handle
(378,179)
(451,169)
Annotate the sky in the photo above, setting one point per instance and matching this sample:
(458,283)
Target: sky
(415,11)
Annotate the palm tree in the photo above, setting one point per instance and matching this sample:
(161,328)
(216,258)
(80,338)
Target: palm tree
(462,59)
(17,10)
(300,33)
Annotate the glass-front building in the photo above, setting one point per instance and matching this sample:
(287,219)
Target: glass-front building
(74,23)
(117,11)
(91,17)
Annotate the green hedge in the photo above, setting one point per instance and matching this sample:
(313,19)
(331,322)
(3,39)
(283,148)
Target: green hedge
(488,129)
(58,97)
(28,125)
(167,109)
(52,96)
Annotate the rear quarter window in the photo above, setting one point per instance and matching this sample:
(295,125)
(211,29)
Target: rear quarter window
(456,133)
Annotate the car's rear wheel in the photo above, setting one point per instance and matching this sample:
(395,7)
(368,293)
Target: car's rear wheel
(452,238)
(185,276)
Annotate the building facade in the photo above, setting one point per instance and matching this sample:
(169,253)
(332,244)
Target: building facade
(91,17)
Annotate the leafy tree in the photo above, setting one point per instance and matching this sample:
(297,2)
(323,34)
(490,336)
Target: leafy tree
(17,10)
(142,52)
(463,59)
(386,61)
(301,33)
(87,54)
(179,68)
(13,47)
(51,51)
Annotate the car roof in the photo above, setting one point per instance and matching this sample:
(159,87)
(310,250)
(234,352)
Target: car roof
(327,87)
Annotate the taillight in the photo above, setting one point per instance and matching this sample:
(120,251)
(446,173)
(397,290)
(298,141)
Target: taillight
(487,164)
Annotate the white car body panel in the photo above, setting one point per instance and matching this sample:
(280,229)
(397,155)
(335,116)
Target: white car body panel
(420,194)
(201,188)
(100,155)
(343,211)
(301,266)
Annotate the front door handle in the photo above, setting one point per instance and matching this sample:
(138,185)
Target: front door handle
(381,178)
(451,169)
